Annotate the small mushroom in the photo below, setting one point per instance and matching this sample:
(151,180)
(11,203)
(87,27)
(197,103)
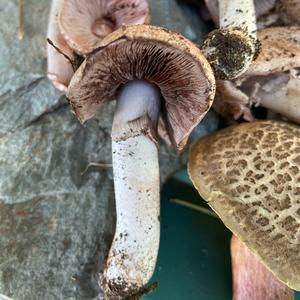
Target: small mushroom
(60,70)
(272,81)
(249,175)
(152,72)
(231,49)
(83,23)
(251,279)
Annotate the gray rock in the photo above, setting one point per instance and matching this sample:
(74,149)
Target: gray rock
(56,224)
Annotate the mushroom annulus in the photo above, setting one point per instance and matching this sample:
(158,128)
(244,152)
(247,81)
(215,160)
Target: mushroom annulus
(272,81)
(249,175)
(231,48)
(153,73)
(76,26)
(251,279)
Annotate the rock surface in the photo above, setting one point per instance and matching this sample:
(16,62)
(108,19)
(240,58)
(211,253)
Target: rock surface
(56,223)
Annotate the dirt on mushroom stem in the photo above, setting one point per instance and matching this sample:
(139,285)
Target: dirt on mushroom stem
(231,51)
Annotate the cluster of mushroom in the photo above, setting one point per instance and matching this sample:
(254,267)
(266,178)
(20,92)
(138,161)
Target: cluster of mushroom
(254,194)
(164,85)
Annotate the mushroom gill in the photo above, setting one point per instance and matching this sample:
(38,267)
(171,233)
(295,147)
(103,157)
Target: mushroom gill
(183,82)
(249,175)
(83,23)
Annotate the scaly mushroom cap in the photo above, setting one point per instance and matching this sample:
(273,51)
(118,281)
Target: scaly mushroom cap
(262,10)
(161,57)
(83,23)
(275,69)
(250,176)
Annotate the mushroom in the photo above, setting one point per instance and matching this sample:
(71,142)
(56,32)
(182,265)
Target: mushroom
(231,49)
(249,175)
(265,11)
(60,69)
(251,279)
(272,81)
(153,73)
(83,23)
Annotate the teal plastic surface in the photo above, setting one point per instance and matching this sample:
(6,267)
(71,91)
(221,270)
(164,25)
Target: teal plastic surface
(194,257)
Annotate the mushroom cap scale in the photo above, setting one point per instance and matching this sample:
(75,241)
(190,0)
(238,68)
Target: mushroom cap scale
(249,174)
(83,23)
(163,58)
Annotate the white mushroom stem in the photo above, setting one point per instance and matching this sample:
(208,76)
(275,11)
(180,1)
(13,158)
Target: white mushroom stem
(232,48)
(60,70)
(238,13)
(132,257)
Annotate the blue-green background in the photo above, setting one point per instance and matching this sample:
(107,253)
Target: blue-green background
(194,258)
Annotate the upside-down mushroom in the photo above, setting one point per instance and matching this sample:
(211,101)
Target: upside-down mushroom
(249,175)
(231,48)
(76,26)
(83,23)
(272,81)
(152,73)
(251,279)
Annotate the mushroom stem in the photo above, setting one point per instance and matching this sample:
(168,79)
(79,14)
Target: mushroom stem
(251,279)
(132,256)
(231,49)
(284,100)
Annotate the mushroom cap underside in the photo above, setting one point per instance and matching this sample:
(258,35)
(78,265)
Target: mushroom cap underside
(249,174)
(83,23)
(163,58)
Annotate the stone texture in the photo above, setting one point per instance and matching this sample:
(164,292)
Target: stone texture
(56,223)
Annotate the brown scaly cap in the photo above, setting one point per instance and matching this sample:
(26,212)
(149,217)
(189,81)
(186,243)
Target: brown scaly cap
(83,23)
(157,55)
(280,51)
(250,176)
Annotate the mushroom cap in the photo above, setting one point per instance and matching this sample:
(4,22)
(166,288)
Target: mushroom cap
(83,23)
(250,176)
(280,51)
(155,54)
